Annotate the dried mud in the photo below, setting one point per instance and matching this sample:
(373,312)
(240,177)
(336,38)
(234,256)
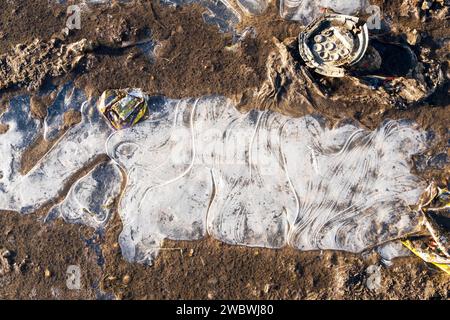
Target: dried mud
(193,60)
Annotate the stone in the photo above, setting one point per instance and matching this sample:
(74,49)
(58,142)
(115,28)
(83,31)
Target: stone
(413,37)
(373,280)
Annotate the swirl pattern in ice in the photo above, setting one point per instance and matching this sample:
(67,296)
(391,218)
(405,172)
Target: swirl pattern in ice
(262,179)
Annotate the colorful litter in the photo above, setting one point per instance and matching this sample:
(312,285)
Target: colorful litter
(123,108)
(434,248)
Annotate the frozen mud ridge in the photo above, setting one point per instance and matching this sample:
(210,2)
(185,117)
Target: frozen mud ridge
(198,167)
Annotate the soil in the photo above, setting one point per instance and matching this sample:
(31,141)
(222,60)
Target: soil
(193,59)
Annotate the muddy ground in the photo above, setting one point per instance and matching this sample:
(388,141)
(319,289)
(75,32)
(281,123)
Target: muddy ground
(192,60)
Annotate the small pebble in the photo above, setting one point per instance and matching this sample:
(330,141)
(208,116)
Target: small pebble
(426,5)
(47,273)
(126,280)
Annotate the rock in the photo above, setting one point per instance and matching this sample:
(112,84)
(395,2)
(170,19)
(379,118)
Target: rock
(413,37)
(426,5)
(47,273)
(373,280)
(71,118)
(3,128)
(126,279)
(371,62)
(5,262)
(411,90)
(22,267)
(443,14)
(38,108)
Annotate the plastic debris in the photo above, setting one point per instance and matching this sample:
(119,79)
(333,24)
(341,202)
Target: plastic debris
(333,42)
(427,254)
(123,108)
(434,204)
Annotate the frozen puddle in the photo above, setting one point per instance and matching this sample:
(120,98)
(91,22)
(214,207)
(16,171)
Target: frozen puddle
(262,179)
(198,167)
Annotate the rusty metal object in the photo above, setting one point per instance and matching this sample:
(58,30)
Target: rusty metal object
(333,42)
